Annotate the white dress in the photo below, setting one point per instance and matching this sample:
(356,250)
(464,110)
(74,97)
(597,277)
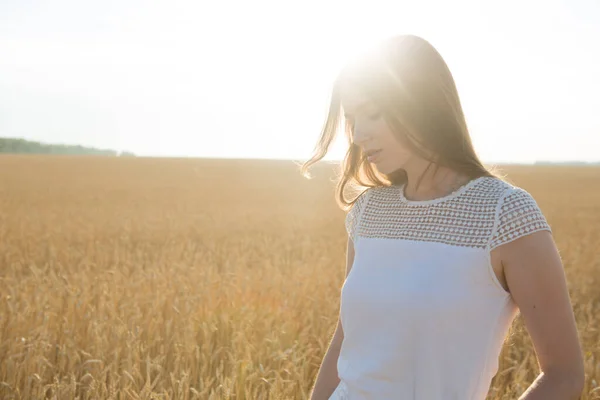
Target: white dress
(424,316)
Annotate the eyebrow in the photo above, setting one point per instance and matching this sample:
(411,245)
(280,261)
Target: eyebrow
(360,106)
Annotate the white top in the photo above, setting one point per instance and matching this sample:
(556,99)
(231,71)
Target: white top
(424,316)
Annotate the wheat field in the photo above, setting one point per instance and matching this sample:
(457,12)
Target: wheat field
(142,278)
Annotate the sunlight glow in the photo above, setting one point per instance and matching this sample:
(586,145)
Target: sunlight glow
(188,78)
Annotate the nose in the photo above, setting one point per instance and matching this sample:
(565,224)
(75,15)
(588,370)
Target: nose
(360,136)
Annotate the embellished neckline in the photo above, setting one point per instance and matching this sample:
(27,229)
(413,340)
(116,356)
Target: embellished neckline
(436,200)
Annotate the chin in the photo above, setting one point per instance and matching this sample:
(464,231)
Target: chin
(386,169)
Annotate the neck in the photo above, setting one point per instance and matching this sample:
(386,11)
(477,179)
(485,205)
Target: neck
(425,183)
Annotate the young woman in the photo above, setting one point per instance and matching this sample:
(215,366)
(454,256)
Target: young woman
(442,253)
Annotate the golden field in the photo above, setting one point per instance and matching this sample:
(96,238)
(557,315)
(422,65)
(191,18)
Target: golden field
(141,278)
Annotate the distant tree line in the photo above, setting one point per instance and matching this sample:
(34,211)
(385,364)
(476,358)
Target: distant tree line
(22,146)
(572,163)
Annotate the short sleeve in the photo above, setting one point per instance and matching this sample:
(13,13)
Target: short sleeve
(354,214)
(518,215)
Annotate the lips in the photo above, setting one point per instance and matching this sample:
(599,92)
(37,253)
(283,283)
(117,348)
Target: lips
(373,155)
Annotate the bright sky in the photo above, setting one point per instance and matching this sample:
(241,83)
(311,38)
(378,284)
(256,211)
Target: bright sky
(252,78)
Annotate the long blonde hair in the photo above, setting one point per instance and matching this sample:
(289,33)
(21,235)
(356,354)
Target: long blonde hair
(410,83)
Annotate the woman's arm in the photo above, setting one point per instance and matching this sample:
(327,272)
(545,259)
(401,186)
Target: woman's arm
(327,377)
(537,283)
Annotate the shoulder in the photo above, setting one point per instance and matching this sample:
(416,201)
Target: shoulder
(371,197)
(491,188)
(355,211)
(502,194)
(518,214)
(361,200)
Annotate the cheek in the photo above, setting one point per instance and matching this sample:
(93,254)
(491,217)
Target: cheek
(392,143)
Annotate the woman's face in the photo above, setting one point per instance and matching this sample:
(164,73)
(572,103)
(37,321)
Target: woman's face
(372,133)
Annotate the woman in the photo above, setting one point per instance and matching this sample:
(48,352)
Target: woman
(442,253)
